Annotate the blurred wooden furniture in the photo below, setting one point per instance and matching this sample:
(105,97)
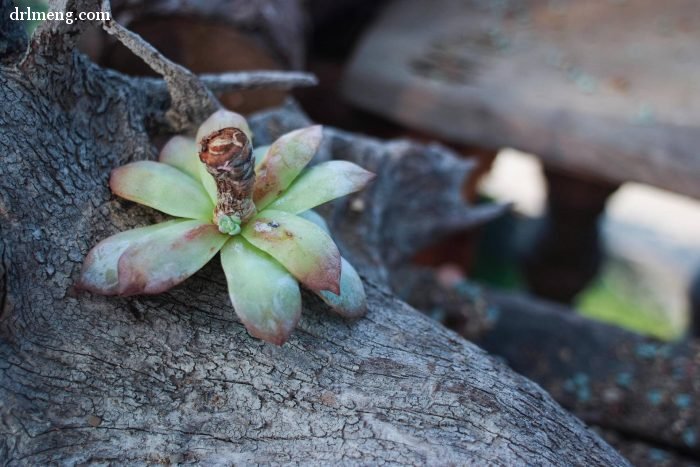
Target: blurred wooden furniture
(602,91)
(215,36)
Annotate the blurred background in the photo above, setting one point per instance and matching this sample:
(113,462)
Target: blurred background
(583,116)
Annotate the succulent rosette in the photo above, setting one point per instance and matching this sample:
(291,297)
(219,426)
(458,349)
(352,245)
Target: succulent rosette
(252,206)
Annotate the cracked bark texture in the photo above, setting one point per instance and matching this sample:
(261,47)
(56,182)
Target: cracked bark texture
(610,377)
(640,391)
(175,378)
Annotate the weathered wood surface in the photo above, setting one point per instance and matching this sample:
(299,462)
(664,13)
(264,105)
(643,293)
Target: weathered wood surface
(608,376)
(643,454)
(605,89)
(175,378)
(628,384)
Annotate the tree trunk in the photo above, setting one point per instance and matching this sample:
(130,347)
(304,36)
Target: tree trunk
(642,392)
(610,377)
(175,378)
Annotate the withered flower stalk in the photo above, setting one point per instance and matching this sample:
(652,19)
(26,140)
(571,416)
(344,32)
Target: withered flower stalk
(228,157)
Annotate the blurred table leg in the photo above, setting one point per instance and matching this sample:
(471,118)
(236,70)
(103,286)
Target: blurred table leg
(566,252)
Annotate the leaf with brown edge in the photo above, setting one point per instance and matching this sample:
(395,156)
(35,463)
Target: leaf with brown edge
(168,257)
(285,159)
(181,152)
(302,247)
(265,296)
(162,187)
(99,273)
(322,183)
(352,301)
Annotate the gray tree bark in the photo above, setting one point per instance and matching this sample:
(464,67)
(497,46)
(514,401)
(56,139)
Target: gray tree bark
(175,378)
(641,392)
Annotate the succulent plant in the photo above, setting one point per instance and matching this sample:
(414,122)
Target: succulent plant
(252,206)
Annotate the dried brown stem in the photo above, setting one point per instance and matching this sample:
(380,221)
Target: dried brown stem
(228,156)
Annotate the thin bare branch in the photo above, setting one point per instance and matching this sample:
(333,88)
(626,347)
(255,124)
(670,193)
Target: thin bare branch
(239,81)
(191,101)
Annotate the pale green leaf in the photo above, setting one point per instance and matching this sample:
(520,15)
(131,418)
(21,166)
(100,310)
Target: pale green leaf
(223,119)
(168,257)
(313,216)
(285,159)
(352,301)
(99,273)
(182,153)
(208,182)
(162,187)
(320,184)
(265,296)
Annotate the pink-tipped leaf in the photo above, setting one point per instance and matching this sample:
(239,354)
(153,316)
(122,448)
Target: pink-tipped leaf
(265,296)
(352,301)
(320,184)
(302,247)
(100,268)
(168,257)
(162,187)
(285,159)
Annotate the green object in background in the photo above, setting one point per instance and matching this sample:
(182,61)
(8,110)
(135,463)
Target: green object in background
(618,296)
(496,261)
(610,300)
